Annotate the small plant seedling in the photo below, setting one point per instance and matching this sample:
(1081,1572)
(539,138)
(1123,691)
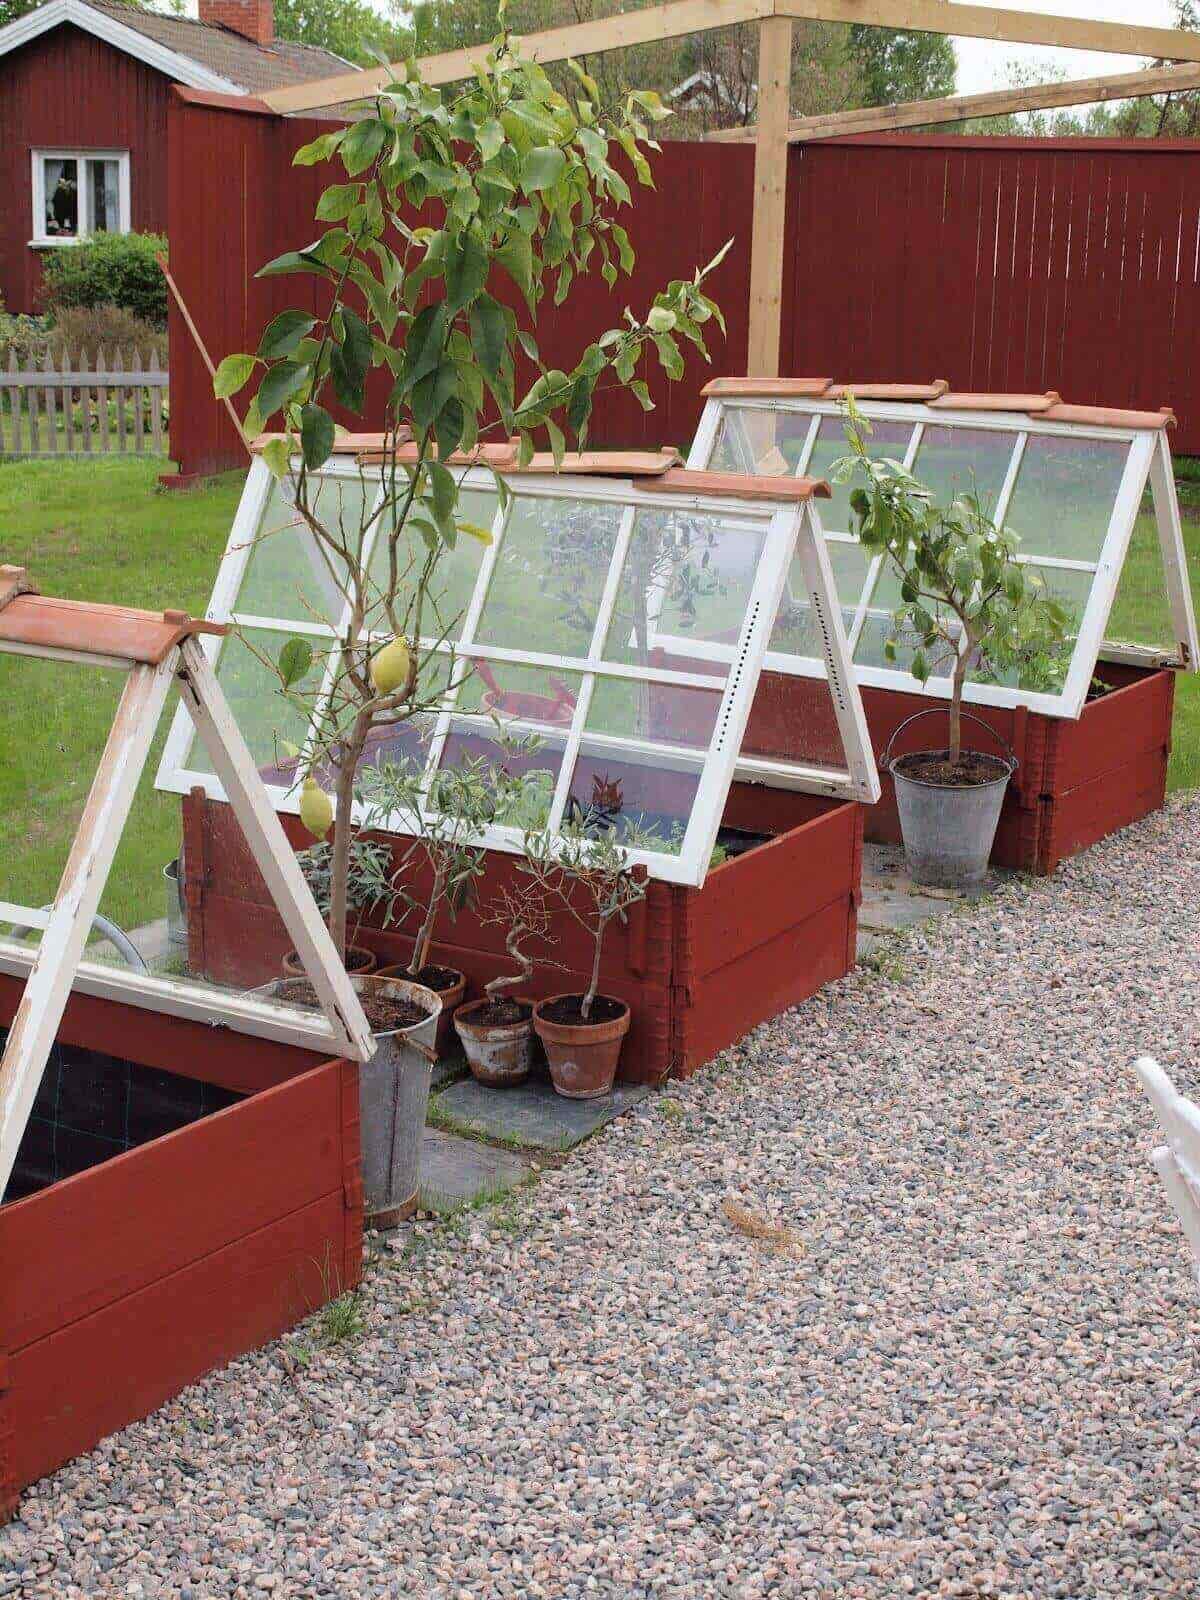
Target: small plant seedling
(671,1109)
(779,1238)
(342,1320)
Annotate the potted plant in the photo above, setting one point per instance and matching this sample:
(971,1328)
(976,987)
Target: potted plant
(967,605)
(588,872)
(497,1031)
(369,885)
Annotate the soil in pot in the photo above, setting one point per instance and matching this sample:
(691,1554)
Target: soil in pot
(384,1012)
(582,1056)
(497,1039)
(935,766)
(448,983)
(359,962)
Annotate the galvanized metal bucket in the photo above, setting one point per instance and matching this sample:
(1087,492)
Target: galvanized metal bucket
(948,829)
(177,933)
(393,1100)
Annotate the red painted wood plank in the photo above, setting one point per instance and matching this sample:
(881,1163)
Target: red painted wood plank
(86,1380)
(155,1209)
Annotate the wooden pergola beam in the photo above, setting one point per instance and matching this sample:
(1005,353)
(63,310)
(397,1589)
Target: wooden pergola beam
(994,103)
(770,196)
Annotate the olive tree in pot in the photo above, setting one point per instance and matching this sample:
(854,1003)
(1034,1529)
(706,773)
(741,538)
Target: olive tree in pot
(370,888)
(448,193)
(967,605)
(497,1031)
(588,873)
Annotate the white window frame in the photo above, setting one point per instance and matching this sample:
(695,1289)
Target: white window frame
(789,527)
(1148,463)
(41,239)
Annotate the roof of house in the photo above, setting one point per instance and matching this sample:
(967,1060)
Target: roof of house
(197,53)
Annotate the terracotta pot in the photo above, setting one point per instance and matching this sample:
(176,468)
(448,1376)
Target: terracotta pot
(498,1054)
(365,962)
(583,1056)
(450,997)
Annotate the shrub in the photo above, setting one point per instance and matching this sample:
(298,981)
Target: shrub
(116,269)
(107,328)
(28,338)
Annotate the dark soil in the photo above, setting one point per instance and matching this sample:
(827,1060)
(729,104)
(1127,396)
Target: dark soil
(568,1011)
(1097,689)
(934,766)
(356,958)
(383,1012)
(737,841)
(439,979)
(501,1013)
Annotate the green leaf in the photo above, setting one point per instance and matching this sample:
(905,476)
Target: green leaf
(542,168)
(448,426)
(488,333)
(320,149)
(292,261)
(233,374)
(515,257)
(281,382)
(443,492)
(277,456)
(338,201)
(484,535)
(316,436)
(466,274)
(423,349)
(295,661)
(283,333)
(490,138)
(642,395)
(362,144)
(558,445)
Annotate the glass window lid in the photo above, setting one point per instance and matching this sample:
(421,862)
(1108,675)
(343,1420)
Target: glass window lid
(612,631)
(1085,490)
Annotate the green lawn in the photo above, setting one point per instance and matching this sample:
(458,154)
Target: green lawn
(99,530)
(102,530)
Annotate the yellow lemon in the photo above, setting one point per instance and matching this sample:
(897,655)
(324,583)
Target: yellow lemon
(316,808)
(390,667)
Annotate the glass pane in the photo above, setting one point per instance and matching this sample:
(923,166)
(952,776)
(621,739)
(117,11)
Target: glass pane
(455,572)
(289,572)
(956,461)
(266,718)
(668,713)
(644,799)
(511,693)
(1141,612)
(766,443)
(888,441)
(1064,495)
(796,632)
(60,185)
(519,767)
(793,719)
(545,591)
(878,628)
(688,577)
(106,204)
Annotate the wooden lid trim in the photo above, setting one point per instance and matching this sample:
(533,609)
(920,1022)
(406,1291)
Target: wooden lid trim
(608,463)
(139,637)
(743,486)
(889,391)
(344,444)
(780,388)
(14,581)
(483,455)
(1109,417)
(1033,404)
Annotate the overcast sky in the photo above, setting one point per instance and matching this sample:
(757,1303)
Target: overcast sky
(983,65)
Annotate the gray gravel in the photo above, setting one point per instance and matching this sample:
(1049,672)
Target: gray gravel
(964,1362)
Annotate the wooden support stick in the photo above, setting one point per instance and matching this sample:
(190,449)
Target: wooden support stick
(770,197)
(199,342)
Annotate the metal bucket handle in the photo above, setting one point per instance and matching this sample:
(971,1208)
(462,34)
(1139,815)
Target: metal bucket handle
(885,761)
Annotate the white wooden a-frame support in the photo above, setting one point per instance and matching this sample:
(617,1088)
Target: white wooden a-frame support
(52,973)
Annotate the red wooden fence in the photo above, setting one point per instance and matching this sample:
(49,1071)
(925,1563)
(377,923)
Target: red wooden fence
(1003,264)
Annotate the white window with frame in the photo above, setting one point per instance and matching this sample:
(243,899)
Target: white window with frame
(1093,503)
(78,193)
(606,646)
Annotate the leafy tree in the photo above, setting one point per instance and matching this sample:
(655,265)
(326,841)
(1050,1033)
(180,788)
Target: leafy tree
(516,190)
(897,65)
(350,28)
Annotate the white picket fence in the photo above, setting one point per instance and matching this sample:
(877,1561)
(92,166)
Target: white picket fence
(73,406)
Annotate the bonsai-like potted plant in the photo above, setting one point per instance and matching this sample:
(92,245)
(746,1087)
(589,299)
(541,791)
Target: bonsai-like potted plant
(968,605)
(513,185)
(588,872)
(497,1031)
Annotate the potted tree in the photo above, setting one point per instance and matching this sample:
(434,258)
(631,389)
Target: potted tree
(370,886)
(511,180)
(967,605)
(497,1031)
(588,871)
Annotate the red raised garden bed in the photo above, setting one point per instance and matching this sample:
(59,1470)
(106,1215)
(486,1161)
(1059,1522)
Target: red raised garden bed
(133,1277)
(1076,783)
(698,967)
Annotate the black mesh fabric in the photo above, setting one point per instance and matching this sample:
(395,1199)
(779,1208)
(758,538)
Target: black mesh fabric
(91,1107)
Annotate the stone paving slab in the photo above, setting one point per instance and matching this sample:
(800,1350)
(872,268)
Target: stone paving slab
(530,1114)
(893,903)
(456,1171)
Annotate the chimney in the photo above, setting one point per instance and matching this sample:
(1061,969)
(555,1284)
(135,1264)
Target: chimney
(253,19)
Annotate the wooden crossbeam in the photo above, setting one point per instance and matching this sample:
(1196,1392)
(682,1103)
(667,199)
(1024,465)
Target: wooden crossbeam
(995,103)
(679,18)
(770,197)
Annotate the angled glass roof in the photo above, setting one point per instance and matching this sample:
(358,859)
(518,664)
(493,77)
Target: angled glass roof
(605,645)
(1087,497)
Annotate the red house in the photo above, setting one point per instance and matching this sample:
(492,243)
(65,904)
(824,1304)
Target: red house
(84,88)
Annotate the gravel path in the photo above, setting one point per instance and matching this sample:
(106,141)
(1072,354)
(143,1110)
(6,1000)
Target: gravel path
(962,1359)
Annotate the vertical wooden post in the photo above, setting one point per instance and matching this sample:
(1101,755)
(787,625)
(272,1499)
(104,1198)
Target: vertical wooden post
(770,196)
